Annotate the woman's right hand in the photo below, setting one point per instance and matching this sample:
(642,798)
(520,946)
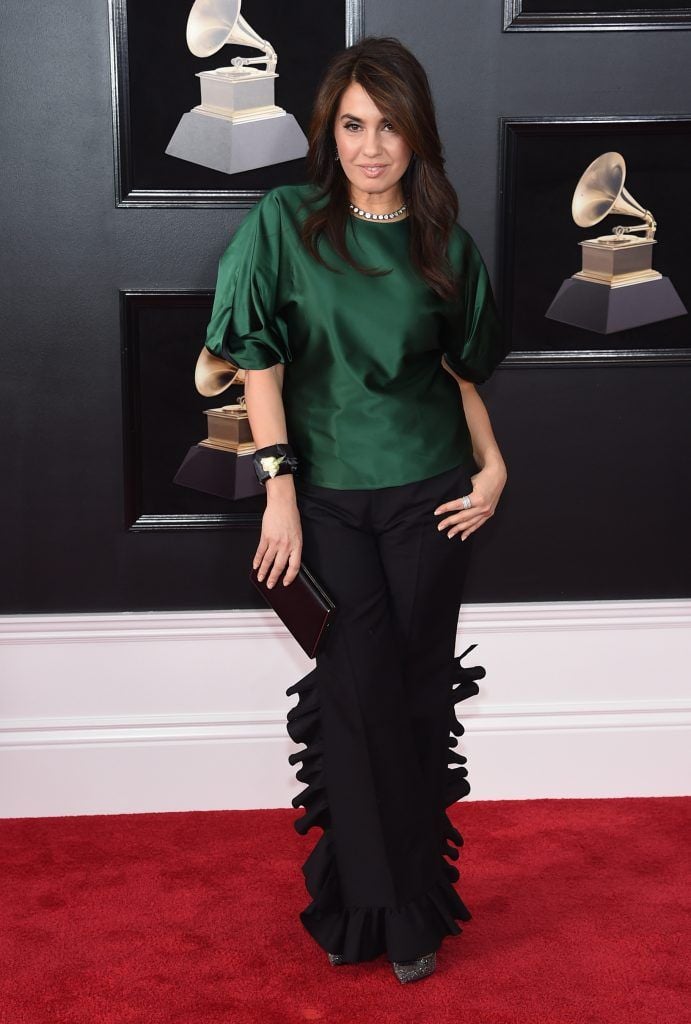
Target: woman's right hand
(280,543)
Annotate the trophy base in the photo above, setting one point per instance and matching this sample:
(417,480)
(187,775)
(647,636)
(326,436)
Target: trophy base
(224,474)
(605,310)
(617,260)
(212,140)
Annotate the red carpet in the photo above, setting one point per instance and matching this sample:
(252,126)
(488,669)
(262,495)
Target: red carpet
(580,916)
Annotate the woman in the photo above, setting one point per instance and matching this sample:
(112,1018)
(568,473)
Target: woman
(340,298)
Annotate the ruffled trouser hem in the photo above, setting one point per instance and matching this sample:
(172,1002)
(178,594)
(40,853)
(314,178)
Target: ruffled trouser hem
(363,933)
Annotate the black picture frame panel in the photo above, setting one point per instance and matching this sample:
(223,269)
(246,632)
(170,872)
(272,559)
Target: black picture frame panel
(595,15)
(154,83)
(602,6)
(541,163)
(163,415)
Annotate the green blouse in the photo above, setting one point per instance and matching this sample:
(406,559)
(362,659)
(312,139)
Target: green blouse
(367,401)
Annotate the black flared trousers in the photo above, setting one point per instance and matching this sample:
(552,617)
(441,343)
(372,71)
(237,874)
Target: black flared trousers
(377,717)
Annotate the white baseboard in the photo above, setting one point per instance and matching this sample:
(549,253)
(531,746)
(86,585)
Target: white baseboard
(135,712)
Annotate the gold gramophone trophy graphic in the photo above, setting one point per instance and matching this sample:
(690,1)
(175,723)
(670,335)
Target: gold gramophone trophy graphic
(237,126)
(616,288)
(222,463)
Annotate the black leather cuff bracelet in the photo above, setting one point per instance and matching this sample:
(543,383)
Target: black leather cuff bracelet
(274,460)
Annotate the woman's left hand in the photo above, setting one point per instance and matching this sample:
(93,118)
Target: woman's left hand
(487,487)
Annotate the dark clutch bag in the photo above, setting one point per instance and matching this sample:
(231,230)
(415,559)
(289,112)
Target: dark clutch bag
(303,606)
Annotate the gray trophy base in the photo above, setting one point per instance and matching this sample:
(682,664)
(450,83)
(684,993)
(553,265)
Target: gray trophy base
(222,473)
(605,310)
(237,146)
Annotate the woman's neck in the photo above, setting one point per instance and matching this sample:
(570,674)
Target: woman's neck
(377,202)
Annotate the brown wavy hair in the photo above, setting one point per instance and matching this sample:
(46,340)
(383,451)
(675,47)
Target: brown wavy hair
(397,83)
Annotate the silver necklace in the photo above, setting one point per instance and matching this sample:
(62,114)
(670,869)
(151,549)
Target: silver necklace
(378,216)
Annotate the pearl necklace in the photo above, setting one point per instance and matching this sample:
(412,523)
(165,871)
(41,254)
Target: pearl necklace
(378,216)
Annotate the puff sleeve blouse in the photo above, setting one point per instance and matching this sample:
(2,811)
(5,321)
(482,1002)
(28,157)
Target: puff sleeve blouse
(368,403)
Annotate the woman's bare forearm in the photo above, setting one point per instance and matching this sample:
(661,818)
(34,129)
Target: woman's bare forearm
(280,544)
(487,483)
(266,414)
(485,448)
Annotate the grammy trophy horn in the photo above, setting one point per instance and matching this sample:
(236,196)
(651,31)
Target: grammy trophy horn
(600,191)
(212,375)
(213,23)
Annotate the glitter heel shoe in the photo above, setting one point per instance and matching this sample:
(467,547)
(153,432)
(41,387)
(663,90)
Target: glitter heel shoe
(413,970)
(336,959)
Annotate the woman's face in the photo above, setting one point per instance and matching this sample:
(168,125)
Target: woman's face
(372,153)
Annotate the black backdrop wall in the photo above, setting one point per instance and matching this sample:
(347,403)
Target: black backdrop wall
(596,506)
